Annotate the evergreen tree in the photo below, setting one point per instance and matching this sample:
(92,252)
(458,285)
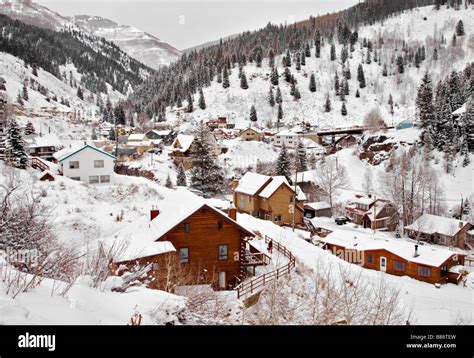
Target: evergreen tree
(25,91)
(307,51)
(181,176)
(80,94)
(278,96)
(327,105)
(312,83)
(400,65)
(29,128)
(243,82)
(368,59)
(384,71)
(271,58)
(357,94)
(112,136)
(303,59)
(333,52)
(460,28)
(454,40)
(292,88)
(202,102)
(206,174)
(361,76)
(274,77)
(301,159)
(283,166)
(336,84)
(280,112)
(287,74)
(435,54)
(468,123)
(317,44)
(169,183)
(225,78)
(35,70)
(424,103)
(344,109)
(297,95)
(15,146)
(190,105)
(253,114)
(390,103)
(346,88)
(271,97)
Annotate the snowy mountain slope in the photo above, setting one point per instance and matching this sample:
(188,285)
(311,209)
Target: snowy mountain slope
(235,102)
(35,14)
(142,46)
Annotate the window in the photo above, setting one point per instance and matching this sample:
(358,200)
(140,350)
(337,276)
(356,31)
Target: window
(187,227)
(250,199)
(93,179)
(277,218)
(222,252)
(241,201)
(74,165)
(219,225)
(369,259)
(98,163)
(75,178)
(424,271)
(266,217)
(399,265)
(156,266)
(184,255)
(105,178)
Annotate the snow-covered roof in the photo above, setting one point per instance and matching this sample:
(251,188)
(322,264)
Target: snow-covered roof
(460,110)
(145,143)
(136,137)
(70,151)
(164,132)
(47,140)
(431,224)
(287,133)
(251,183)
(318,205)
(255,129)
(364,200)
(184,141)
(427,255)
(142,234)
(276,182)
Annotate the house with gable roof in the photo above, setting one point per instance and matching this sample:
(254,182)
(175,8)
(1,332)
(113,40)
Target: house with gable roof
(206,241)
(268,198)
(86,163)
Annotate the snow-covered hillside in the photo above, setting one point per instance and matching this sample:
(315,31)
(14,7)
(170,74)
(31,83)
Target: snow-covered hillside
(410,26)
(142,46)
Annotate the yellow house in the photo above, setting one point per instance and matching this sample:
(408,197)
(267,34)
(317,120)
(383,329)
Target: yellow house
(268,198)
(251,134)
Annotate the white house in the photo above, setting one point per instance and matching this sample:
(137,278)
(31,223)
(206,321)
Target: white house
(288,139)
(87,164)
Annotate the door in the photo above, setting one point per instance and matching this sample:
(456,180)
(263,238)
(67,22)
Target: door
(383,264)
(222,281)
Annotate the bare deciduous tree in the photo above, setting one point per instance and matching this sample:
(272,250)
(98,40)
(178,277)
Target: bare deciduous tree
(331,177)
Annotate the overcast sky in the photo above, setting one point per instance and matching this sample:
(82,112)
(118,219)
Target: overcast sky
(187,23)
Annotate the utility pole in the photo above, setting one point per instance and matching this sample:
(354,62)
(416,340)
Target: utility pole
(462,208)
(294,200)
(375,215)
(116,142)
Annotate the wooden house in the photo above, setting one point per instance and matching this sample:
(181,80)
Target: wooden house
(372,213)
(44,146)
(268,198)
(206,241)
(251,134)
(165,135)
(439,230)
(396,257)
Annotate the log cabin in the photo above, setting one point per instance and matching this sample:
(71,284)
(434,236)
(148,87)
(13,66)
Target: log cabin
(209,246)
(396,257)
(372,213)
(268,198)
(251,134)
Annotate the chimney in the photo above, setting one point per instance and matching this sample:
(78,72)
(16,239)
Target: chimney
(233,213)
(154,212)
(416,251)
(370,196)
(235,183)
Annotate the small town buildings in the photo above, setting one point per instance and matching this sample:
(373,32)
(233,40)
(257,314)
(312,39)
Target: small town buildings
(268,198)
(251,134)
(46,176)
(220,122)
(86,163)
(185,235)
(317,209)
(372,213)
(44,146)
(181,150)
(439,230)
(286,138)
(396,257)
(165,135)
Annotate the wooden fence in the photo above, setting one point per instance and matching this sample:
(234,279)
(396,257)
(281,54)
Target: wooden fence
(249,287)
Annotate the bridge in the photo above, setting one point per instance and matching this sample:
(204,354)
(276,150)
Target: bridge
(317,136)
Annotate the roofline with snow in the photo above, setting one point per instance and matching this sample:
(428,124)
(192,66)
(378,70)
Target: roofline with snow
(84,147)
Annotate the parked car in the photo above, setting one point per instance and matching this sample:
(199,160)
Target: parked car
(341,220)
